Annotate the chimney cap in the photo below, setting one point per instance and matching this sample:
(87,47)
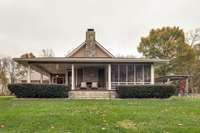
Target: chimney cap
(90,29)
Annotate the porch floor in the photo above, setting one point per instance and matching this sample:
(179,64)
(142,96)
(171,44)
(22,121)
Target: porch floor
(91,89)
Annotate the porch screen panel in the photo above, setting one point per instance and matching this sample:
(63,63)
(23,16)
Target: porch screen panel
(131,72)
(114,73)
(147,73)
(122,73)
(139,73)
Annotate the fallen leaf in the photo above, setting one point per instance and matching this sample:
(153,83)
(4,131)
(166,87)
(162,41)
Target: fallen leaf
(103,128)
(180,124)
(2,126)
(127,124)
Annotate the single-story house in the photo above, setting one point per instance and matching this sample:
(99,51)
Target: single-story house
(91,66)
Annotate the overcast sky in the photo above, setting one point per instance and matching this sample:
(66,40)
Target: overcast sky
(31,25)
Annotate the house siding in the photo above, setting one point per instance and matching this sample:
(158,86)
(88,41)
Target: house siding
(81,52)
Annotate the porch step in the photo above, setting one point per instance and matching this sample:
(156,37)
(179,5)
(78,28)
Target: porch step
(84,94)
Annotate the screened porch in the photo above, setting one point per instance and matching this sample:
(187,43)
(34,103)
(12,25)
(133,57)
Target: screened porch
(132,74)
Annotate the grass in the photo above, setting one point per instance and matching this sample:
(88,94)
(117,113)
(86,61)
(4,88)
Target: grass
(175,115)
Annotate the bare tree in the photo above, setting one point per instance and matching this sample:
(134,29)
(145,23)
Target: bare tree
(193,37)
(10,72)
(27,56)
(15,71)
(124,56)
(47,53)
(3,76)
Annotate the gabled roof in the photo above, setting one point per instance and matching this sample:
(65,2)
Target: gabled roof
(104,49)
(75,50)
(96,43)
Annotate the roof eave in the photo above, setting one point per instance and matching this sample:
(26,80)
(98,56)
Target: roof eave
(88,60)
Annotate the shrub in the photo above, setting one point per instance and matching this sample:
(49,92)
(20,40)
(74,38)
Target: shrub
(38,90)
(146,91)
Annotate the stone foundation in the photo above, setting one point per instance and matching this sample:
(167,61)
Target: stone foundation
(80,94)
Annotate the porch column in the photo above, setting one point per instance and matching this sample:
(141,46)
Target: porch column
(152,73)
(66,78)
(41,78)
(50,79)
(109,76)
(29,74)
(73,85)
(187,86)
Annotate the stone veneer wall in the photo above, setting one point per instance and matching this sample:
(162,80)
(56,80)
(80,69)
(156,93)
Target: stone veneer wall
(92,94)
(90,74)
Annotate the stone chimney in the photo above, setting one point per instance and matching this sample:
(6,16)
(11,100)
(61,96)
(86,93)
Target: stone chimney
(90,50)
(90,35)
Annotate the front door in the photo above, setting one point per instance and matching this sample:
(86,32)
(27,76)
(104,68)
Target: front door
(59,79)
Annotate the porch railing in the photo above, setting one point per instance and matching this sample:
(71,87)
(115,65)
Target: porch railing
(115,84)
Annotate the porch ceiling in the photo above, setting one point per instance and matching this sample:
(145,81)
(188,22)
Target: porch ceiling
(90,65)
(58,68)
(51,68)
(61,68)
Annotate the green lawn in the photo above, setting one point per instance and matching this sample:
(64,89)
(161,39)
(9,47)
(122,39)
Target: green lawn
(180,115)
